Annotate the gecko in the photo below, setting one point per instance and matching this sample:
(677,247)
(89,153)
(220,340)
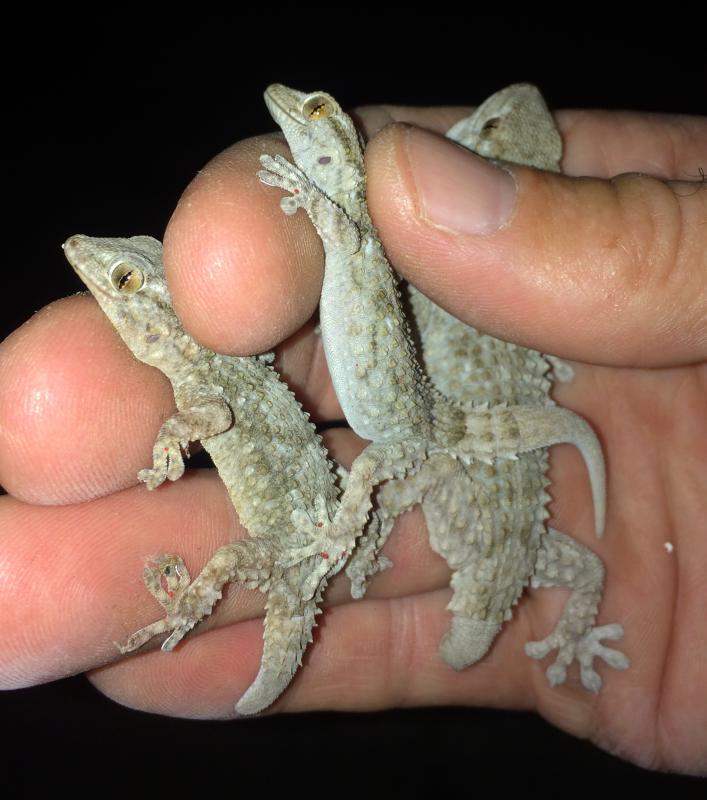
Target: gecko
(476,462)
(515,125)
(267,453)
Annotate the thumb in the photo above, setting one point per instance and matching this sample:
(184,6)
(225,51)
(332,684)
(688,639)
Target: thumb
(604,271)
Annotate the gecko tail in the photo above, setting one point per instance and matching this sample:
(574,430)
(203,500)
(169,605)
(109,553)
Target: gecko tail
(289,621)
(548,425)
(507,431)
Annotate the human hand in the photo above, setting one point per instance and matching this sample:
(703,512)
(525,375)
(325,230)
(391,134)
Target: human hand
(232,254)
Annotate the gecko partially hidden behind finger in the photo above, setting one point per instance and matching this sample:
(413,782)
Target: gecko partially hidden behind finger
(267,453)
(473,454)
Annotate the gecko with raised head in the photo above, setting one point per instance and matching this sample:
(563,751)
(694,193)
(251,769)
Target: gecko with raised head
(267,453)
(478,470)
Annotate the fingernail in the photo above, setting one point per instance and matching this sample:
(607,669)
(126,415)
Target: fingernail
(457,189)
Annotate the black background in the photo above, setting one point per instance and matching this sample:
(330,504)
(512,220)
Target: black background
(107,124)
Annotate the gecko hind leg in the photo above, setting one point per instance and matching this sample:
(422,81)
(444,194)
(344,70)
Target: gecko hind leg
(367,560)
(187,602)
(394,498)
(564,562)
(379,462)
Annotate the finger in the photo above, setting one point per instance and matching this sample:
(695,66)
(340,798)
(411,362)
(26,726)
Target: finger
(367,655)
(372,119)
(79,413)
(301,363)
(242,275)
(607,143)
(71,577)
(232,255)
(664,146)
(610,272)
(371,655)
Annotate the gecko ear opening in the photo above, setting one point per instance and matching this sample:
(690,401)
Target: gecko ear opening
(491,124)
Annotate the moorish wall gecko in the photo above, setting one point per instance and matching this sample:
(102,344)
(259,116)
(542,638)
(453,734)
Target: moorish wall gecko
(486,519)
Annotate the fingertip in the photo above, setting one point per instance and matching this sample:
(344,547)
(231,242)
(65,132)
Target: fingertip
(243,276)
(69,385)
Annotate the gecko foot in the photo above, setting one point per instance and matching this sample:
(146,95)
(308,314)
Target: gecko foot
(167,462)
(167,579)
(583,649)
(278,171)
(248,561)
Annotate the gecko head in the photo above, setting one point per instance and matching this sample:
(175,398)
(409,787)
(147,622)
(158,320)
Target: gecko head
(292,107)
(126,277)
(323,139)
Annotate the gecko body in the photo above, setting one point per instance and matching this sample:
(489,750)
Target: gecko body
(474,454)
(267,453)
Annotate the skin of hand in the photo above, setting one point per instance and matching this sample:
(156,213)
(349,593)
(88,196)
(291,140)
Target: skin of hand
(608,271)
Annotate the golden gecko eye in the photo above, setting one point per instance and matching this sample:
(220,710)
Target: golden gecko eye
(127,278)
(317,106)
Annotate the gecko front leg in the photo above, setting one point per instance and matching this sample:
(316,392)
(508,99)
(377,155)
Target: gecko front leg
(331,221)
(206,417)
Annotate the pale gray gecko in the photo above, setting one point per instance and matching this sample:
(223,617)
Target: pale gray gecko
(266,451)
(478,470)
(515,125)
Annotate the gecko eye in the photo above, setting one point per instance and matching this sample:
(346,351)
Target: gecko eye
(317,106)
(127,278)
(491,125)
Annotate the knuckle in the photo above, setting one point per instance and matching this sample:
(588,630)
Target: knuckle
(405,644)
(651,233)
(662,238)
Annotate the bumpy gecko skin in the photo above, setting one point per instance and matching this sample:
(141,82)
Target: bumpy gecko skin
(266,452)
(515,125)
(471,446)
